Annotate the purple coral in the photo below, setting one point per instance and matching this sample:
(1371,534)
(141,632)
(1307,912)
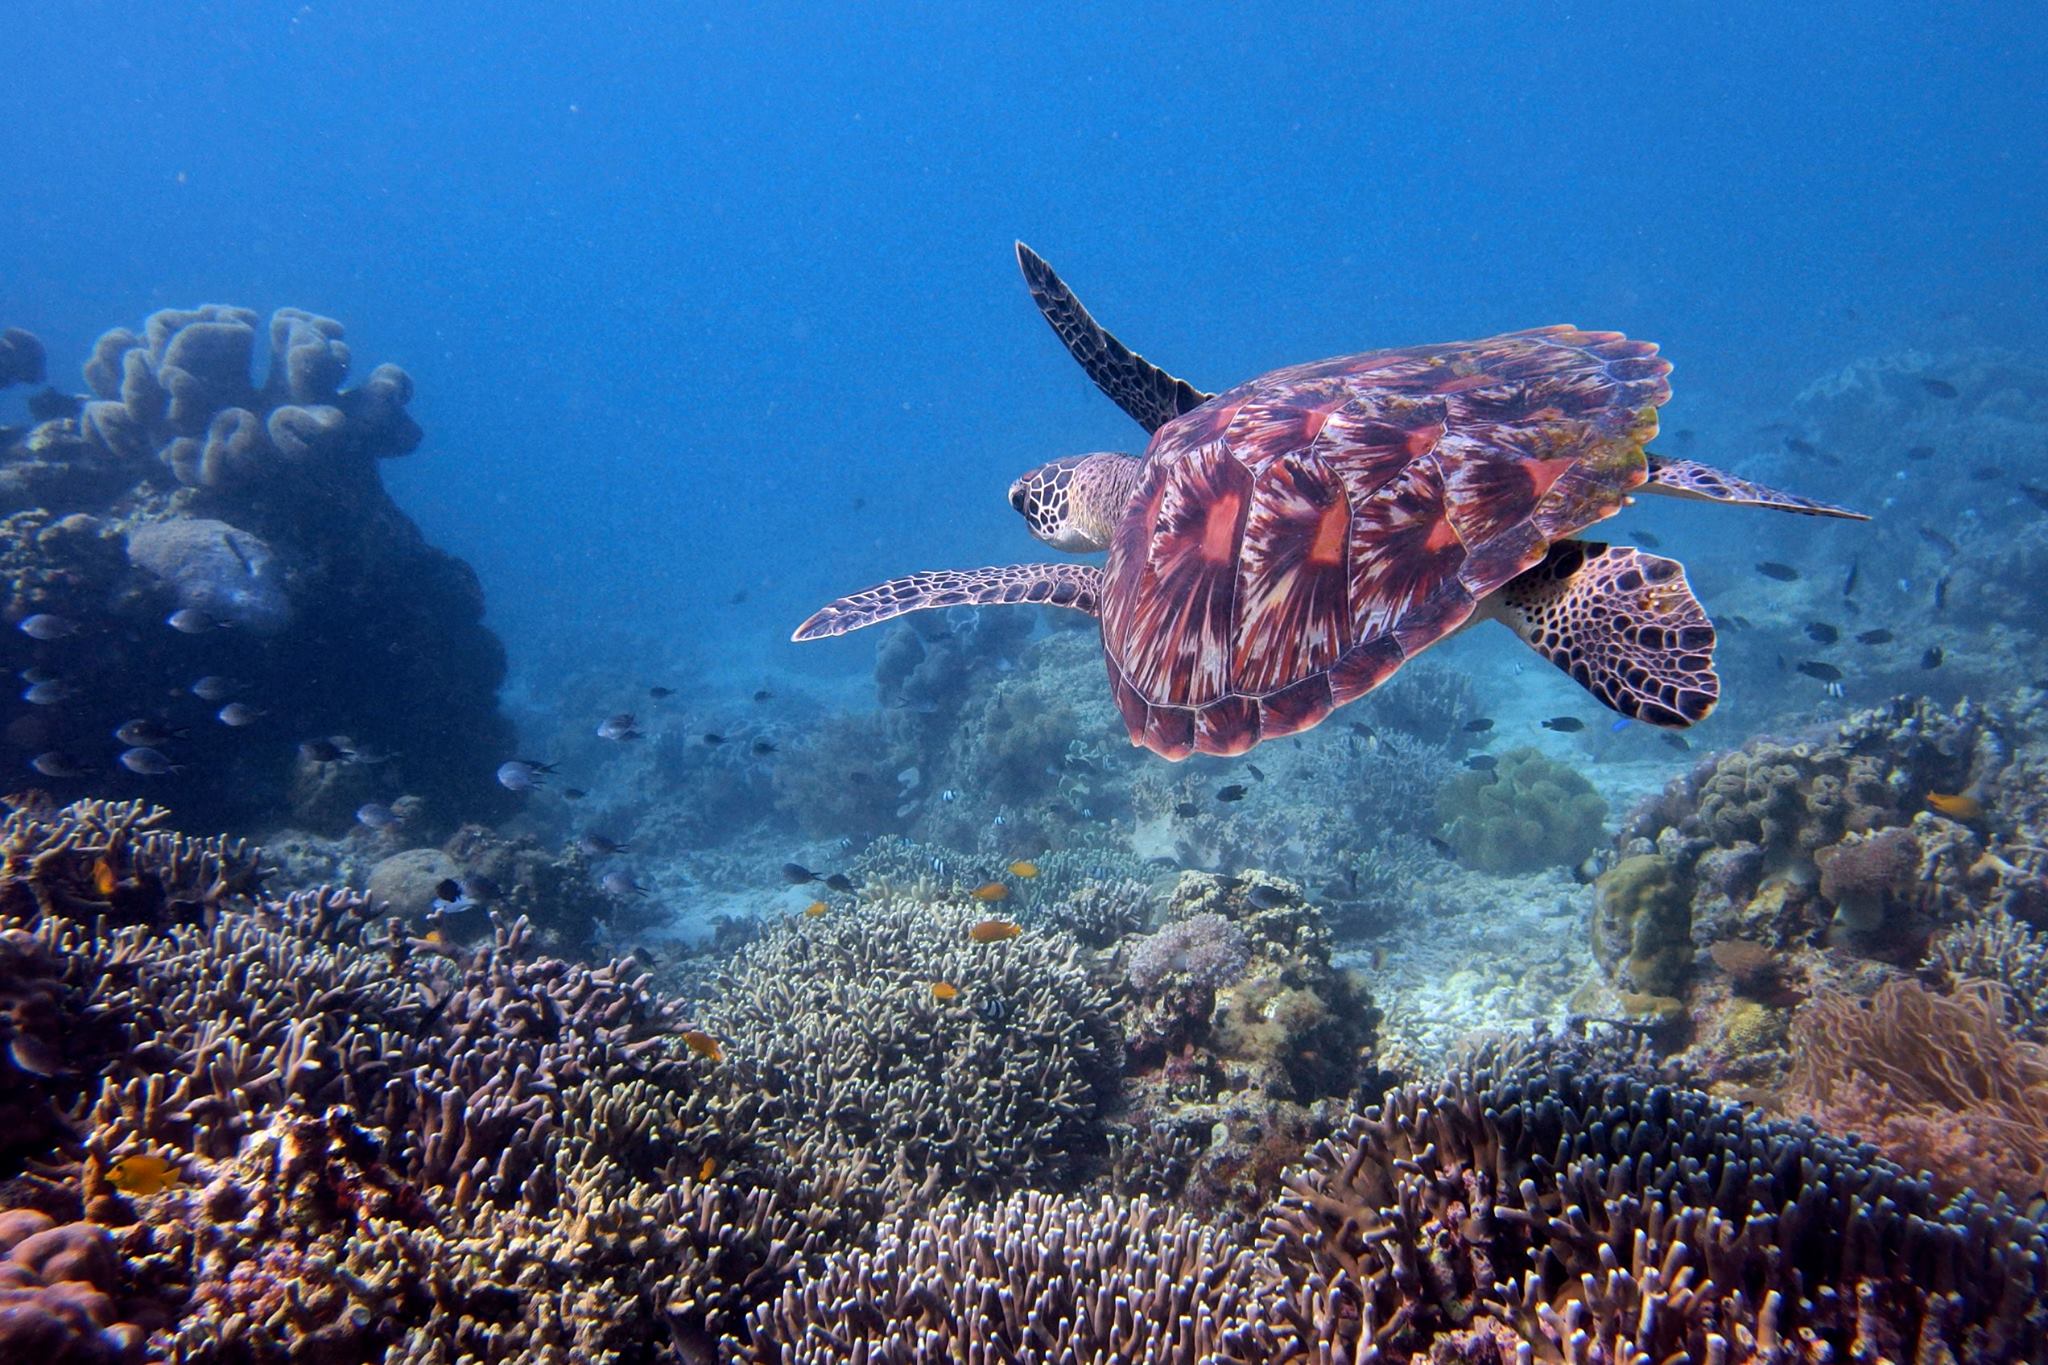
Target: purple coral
(1207,949)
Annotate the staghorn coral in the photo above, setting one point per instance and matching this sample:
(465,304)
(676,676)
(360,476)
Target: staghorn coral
(1999,949)
(1515,1212)
(1936,1081)
(1000,1085)
(1037,1279)
(1528,813)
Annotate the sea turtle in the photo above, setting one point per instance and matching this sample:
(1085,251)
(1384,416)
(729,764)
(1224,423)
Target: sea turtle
(1281,548)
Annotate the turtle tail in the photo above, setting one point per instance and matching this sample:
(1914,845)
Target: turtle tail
(1075,586)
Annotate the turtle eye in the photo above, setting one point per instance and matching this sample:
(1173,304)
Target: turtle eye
(1017,496)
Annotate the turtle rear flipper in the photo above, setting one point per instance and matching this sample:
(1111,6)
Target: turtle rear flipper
(1623,624)
(1690,479)
(1149,394)
(1076,586)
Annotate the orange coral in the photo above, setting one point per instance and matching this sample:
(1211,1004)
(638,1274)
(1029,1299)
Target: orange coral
(1936,1081)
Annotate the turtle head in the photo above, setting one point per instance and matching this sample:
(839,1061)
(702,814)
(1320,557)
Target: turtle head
(1074,504)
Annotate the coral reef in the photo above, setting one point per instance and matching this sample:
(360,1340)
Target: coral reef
(1999,949)
(250,516)
(1936,1081)
(1527,813)
(1642,924)
(57,1287)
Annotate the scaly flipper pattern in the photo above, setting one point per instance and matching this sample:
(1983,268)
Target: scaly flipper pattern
(1689,479)
(1624,625)
(1076,586)
(1149,394)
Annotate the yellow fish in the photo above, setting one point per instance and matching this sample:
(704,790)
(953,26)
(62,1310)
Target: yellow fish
(994,930)
(816,909)
(704,1045)
(1958,807)
(103,879)
(942,991)
(1024,868)
(990,892)
(142,1175)
(708,1169)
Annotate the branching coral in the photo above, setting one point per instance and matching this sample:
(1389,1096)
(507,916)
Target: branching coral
(1998,948)
(1511,1214)
(1934,1080)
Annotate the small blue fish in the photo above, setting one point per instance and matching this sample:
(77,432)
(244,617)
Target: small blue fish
(1619,725)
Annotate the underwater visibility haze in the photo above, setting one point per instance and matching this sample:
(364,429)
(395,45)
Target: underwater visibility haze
(792,684)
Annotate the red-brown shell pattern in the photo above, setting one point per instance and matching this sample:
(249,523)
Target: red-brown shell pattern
(1295,539)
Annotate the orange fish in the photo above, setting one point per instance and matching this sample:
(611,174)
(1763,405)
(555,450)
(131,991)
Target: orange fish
(942,991)
(990,892)
(816,908)
(142,1175)
(994,930)
(708,1169)
(103,879)
(1958,807)
(704,1045)
(1024,868)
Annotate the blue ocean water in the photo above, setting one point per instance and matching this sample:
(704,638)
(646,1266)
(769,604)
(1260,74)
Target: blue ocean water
(680,285)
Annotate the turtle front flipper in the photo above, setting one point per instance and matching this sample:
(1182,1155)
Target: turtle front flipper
(1149,394)
(1690,479)
(1076,586)
(1624,625)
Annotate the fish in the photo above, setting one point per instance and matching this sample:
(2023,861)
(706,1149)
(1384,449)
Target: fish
(147,732)
(47,625)
(1933,657)
(1919,452)
(990,892)
(36,675)
(1938,540)
(1940,595)
(1676,740)
(1987,473)
(1362,730)
(236,714)
(737,598)
(994,931)
(1267,897)
(49,692)
(375,815)
(1799,445)
(334,751)
(1819,671)
(1480,726)
(659,692)
(762,747)
(481,888)
(2036,494)
(192,621)
(942,991)
(621,884)
(1940,388)
(1618,724)
(1821,633)
(1186,810)
(1564,725)
(1959,806)
(1234,792)
(103,879)
(816,909)
(1023,867)
(703,1044)
(707,1168)
(598,845)
(839,881)
(148,762)
(714,740)
(1784,573)
(448,889)
(57,763)
(1849,579)
(573,793)
(1737,622)
(1258,775)
(1646,540)
(620,727)
(142,1174)
(796,874)
(763,694)
(1483,763)
(1880,636)
(521,775)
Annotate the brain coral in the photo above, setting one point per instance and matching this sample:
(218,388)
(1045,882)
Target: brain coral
(1528,813)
